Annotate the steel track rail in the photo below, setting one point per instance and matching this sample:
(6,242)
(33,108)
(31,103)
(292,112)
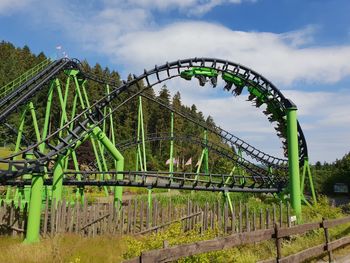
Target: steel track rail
(216,148)
(156,179)
(23,93)
(227,137)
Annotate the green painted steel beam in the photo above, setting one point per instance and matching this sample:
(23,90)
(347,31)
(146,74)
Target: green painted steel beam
(171,164)
(293,160)
(33,225)
(102,137)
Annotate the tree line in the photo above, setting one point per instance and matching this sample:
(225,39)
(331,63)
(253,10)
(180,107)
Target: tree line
(14,61)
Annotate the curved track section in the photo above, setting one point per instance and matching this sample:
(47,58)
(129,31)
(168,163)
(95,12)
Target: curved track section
(175,180)
(258,173)
(228,138)
(93,116)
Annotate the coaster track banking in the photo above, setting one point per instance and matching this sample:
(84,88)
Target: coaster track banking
(257,172)
(93,116)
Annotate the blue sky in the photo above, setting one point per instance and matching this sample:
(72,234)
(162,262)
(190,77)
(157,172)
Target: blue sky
(303,47)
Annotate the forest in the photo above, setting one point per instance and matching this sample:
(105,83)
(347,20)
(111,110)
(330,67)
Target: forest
(14,61)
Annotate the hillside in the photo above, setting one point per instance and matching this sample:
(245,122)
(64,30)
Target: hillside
(14,61)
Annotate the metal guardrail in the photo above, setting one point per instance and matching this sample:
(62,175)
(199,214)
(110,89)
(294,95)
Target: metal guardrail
(9,87)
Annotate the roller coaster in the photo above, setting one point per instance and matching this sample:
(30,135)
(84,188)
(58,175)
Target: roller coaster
(38,169)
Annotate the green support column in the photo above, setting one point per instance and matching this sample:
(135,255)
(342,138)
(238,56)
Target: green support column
(206,153)
(306,170)
(46,128)
(101,136)
(111,125)
(33,225)
(226,193)
(17,147)
(293,159)
(57,184)
(240,170)
(27,188)
(103,166)
(58,171)
(143,137)
(171,164)
(141,154)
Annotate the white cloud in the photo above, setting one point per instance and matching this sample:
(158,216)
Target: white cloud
(127,32)
(277,56)
(188,7)
(7,7)
(130,36)
(323,117)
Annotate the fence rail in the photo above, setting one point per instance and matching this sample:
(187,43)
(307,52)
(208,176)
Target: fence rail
(173,253)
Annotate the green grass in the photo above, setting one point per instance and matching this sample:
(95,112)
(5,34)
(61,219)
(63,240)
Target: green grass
(248,253)
(4,152)
(63,248)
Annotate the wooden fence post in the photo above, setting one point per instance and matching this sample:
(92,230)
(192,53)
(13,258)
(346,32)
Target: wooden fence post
(281,213)
(240,218)
(247,223)
(289,224)
(326,234)
(267,218)
(278,243)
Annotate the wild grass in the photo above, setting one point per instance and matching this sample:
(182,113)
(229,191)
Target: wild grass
(63,248)
(3,153)
(249,253)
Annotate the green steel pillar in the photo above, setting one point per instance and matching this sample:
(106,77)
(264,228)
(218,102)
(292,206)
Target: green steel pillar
(240,170)
(171,160)
(111,125)
(226,193)
(17,147)
(57,184)
(101,136)
(141,154)
(293,158)
(33,226)
(306,170)
(27,189)
(58,171)
(171,164)
(46,128)
(102,166)
(143,137)
(206,153)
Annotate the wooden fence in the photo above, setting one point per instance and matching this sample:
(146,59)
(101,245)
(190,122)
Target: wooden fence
(277,233)
(136,217)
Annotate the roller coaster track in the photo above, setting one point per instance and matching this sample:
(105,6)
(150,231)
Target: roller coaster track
(253,169)
(175,180)
(227,137)
(21,94)
(93,116)
(13,85)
